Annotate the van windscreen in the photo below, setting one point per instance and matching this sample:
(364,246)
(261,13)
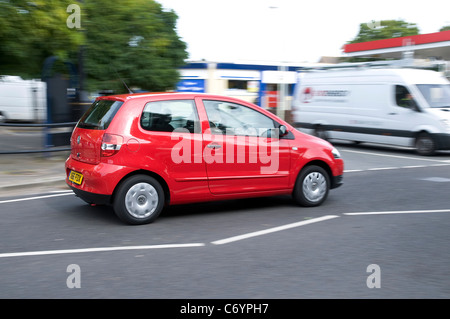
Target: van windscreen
(437,95)
(99,115)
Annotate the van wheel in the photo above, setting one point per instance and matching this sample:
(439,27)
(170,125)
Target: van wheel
(312,186)
(320,132)
(425,144)
(139,200)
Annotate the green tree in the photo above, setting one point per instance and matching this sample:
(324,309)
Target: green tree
(32,31)
(446,28)
(384,29)
(134,40)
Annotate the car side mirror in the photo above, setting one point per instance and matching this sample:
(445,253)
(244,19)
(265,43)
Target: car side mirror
(283,130)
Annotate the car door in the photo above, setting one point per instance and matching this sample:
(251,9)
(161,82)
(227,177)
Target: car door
(242,151)
(173,147)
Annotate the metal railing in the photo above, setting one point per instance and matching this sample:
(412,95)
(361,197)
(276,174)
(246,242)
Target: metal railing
(46,132)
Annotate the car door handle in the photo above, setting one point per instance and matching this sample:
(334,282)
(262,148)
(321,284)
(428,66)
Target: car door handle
(214,146)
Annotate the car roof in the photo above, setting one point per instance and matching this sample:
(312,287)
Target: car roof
(188,95)
(129,96)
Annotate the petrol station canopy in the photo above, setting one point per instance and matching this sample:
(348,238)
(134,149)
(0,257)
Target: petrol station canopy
(433,46)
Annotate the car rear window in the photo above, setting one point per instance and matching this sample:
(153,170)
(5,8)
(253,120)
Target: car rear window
(100,114)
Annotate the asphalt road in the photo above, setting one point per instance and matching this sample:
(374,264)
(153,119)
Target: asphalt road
(383,234)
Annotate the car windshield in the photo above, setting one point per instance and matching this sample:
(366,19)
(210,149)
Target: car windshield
(99,115)
(437,95)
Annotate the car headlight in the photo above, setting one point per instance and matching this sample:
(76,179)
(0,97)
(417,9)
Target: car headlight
(335,153)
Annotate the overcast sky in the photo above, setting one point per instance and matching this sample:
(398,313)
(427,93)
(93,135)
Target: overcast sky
(289,30)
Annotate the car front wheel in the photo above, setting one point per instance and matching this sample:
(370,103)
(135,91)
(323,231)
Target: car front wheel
(312,186)
(139,200)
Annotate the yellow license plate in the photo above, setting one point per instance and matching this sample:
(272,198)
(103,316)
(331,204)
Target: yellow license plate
(75,177)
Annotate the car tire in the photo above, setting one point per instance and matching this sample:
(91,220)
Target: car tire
(425,144)
(139,200)
(312,186)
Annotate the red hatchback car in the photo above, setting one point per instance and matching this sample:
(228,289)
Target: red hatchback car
(141,152)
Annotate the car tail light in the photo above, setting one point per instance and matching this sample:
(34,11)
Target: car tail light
(111,144)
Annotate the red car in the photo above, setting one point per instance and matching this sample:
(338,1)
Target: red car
(141,152)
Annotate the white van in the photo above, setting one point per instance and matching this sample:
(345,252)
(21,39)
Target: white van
(22,100)
(398,106)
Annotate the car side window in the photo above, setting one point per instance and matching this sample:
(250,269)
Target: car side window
(404,98)
(169,116)
(235,119)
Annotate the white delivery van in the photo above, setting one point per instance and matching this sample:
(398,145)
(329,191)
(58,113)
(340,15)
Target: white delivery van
(22,100)
(398,106)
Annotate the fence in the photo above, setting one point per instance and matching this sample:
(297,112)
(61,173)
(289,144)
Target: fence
(53,140)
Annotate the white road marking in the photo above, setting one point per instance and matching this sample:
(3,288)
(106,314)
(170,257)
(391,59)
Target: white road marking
(62,191)
(122,248)
(272,230)
(100,249)
(381,168)
(393,156)
(436,179)
(35,197)
(401,212)
(217,242)
(393,168)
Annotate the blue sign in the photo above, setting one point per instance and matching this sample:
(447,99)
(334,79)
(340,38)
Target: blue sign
(195,85)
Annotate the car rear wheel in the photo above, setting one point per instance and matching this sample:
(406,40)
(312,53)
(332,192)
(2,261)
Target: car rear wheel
(139,200)
(312,186)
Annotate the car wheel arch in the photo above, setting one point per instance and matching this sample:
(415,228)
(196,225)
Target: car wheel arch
(317,162)
(160,179)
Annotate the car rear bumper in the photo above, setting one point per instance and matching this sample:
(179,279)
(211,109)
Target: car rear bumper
(99,180)
(91,198)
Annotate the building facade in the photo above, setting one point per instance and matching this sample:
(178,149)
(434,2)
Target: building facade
(267,85)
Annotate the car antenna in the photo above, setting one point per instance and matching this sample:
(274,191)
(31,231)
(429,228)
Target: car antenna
(129,91)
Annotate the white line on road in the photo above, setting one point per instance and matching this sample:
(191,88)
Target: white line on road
(393,168)
(381,168)
(401,212)
(353,170)
(35,197)
(272,230)
(62,191)
(89,250)
(395,156)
